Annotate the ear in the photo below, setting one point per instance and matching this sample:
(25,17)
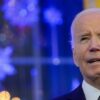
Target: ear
(75,57)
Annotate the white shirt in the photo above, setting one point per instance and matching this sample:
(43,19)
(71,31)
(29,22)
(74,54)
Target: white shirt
(91,93)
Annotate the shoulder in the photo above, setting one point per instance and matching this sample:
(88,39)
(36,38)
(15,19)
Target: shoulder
(76,94)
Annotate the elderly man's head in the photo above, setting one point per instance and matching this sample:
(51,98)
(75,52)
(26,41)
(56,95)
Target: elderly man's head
(85,32)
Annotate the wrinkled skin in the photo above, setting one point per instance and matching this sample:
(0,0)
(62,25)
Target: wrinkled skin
(86,50)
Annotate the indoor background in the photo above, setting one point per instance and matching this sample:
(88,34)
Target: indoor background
(35,52)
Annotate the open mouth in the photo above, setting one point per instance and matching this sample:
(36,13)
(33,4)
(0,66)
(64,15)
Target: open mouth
(93,60)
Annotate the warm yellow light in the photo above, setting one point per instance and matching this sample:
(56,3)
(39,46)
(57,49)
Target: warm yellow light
(4,95)
(15,98)
(97,2)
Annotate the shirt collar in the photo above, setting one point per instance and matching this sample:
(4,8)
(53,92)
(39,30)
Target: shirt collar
(91,93)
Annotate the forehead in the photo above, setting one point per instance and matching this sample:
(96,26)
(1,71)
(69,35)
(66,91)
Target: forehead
(87,19)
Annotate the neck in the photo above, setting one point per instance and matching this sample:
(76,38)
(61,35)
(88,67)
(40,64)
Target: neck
(95,83)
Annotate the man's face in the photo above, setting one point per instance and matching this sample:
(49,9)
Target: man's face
(86,51)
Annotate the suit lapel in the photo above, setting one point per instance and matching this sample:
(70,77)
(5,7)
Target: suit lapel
(77,94)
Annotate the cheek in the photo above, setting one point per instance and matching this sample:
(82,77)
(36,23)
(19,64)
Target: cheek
(80,52)
(79,58)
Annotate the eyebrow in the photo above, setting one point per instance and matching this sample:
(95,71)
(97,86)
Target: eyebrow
(84,34)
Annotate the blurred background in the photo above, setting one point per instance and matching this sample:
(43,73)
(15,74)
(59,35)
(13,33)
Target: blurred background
(35,53)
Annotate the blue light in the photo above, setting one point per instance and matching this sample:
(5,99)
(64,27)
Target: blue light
(75,83)
(31,7)
(5,67)
(56,61)
(53,16)
(34,72)
(23,12)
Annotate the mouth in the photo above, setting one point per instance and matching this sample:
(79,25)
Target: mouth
(90,61)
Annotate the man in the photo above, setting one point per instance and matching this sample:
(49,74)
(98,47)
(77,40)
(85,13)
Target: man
(85,31)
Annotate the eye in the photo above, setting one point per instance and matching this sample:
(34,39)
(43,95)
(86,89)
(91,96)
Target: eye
(84,38)
(99,35)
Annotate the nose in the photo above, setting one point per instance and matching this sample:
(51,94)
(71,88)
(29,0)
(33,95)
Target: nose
(94,45)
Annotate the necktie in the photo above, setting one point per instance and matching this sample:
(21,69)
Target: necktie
(99,98)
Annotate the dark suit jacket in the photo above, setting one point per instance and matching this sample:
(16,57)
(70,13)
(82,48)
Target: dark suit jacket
(77,94)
